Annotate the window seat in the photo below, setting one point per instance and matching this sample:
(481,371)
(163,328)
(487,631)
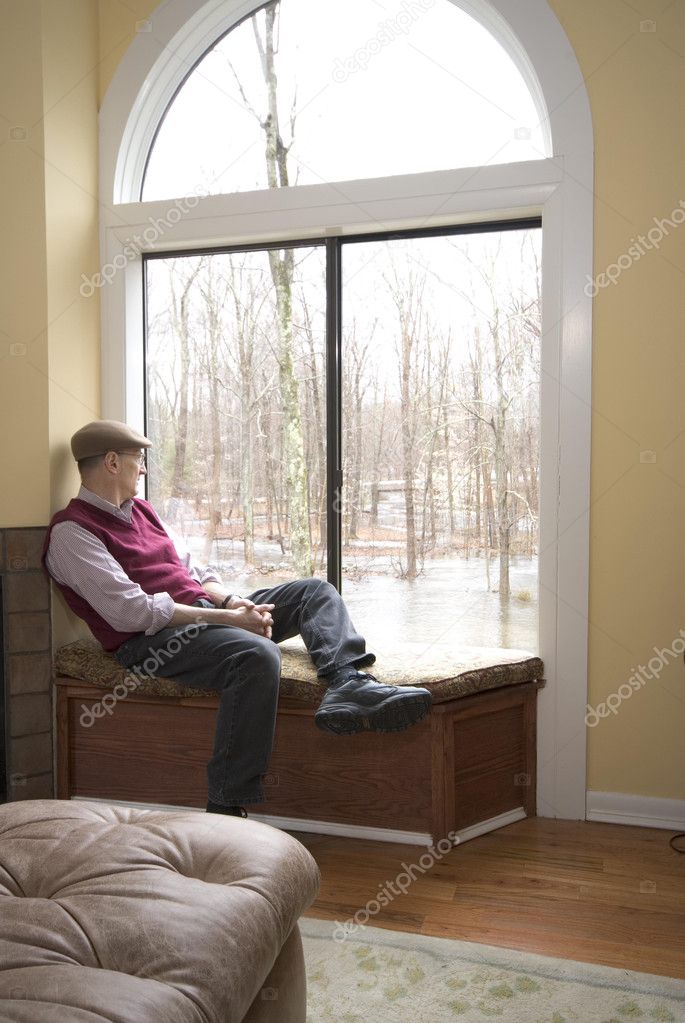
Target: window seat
(468,767)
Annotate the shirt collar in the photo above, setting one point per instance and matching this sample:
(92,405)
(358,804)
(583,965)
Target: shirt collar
(125,512)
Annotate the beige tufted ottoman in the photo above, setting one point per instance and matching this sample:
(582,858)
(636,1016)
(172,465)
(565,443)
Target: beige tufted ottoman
(132,916)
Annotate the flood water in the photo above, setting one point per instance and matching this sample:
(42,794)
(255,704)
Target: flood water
(449,604)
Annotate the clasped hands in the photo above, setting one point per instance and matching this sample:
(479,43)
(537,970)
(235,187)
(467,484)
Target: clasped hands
(255,618)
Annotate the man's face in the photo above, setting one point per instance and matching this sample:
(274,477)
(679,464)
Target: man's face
(132,468)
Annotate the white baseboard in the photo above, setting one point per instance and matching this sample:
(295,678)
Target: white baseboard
(606,807)
(638,811)
(342,830)
(492,824)
(387,834)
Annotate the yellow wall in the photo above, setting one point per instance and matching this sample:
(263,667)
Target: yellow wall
(118,24)
(636,81)
(70,83)
(49,334)
(70,39)
(24,497)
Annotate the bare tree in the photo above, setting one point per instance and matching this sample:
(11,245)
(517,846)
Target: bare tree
(315,362)
(281,263)
(248,301)
(506,366)
(355,383)
(182,277)
(407,296)
(214,292)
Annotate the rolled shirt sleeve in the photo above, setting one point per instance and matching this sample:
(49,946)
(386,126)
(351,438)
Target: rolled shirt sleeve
(77,559)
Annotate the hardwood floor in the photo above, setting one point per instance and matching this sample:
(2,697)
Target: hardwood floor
(599,893)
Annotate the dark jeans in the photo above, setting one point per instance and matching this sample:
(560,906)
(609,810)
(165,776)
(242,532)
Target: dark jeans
(245,669)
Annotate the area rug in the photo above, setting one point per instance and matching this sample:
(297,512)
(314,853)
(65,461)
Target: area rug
(382,976)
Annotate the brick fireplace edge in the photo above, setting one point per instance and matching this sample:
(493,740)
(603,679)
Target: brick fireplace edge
(27,665)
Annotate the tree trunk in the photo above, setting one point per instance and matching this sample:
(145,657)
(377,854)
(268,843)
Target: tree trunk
(246,483)
(408,451)
(295,464)
(214,489)
(355,464)
(180,315)
(499,427)
(246,343)
(376,470)
(450,481)
(320,435)
(503,526)
(282,264)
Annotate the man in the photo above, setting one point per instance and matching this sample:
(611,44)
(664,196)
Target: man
(120,572)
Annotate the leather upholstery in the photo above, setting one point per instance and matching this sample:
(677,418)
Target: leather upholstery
(129,916)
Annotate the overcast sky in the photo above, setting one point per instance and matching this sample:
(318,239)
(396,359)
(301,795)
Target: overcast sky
(383,87)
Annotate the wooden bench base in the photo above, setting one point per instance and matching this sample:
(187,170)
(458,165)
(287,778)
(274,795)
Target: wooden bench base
(472,759)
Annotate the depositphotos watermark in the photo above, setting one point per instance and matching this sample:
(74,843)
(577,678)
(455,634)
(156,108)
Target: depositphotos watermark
(134,246)
(137,674)
(388,31)
(639,678)
(387,893)
(639,246)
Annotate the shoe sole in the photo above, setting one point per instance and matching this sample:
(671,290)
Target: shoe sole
(393,715)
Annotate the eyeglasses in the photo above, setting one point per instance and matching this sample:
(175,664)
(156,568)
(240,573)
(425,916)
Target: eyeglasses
(140,455)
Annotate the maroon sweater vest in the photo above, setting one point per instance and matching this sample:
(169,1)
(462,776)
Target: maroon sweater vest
(144,550)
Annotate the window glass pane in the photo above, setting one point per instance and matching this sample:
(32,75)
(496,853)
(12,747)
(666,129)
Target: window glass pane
(441,357)
(440,420)
(343,90)
(236,410)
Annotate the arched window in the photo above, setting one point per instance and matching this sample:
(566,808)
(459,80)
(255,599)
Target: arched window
(438,188)
(343,91)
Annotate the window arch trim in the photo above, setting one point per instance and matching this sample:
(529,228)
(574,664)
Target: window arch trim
(151,74)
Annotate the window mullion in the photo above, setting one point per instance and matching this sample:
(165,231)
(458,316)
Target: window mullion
(334,480)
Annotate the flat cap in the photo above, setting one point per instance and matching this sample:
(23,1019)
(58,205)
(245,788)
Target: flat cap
(105,435)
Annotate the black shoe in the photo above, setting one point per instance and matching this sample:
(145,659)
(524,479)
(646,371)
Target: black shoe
(230,811)
(357,702)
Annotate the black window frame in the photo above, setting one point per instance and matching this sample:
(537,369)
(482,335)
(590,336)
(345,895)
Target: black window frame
(334,247)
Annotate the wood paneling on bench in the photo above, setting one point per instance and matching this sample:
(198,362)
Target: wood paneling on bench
(471,759)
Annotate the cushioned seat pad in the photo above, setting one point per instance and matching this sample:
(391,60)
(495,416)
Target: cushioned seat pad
(448,673)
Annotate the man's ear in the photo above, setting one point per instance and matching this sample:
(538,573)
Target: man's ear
(111,462)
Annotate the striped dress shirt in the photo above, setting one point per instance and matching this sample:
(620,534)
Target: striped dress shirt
(78,559)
